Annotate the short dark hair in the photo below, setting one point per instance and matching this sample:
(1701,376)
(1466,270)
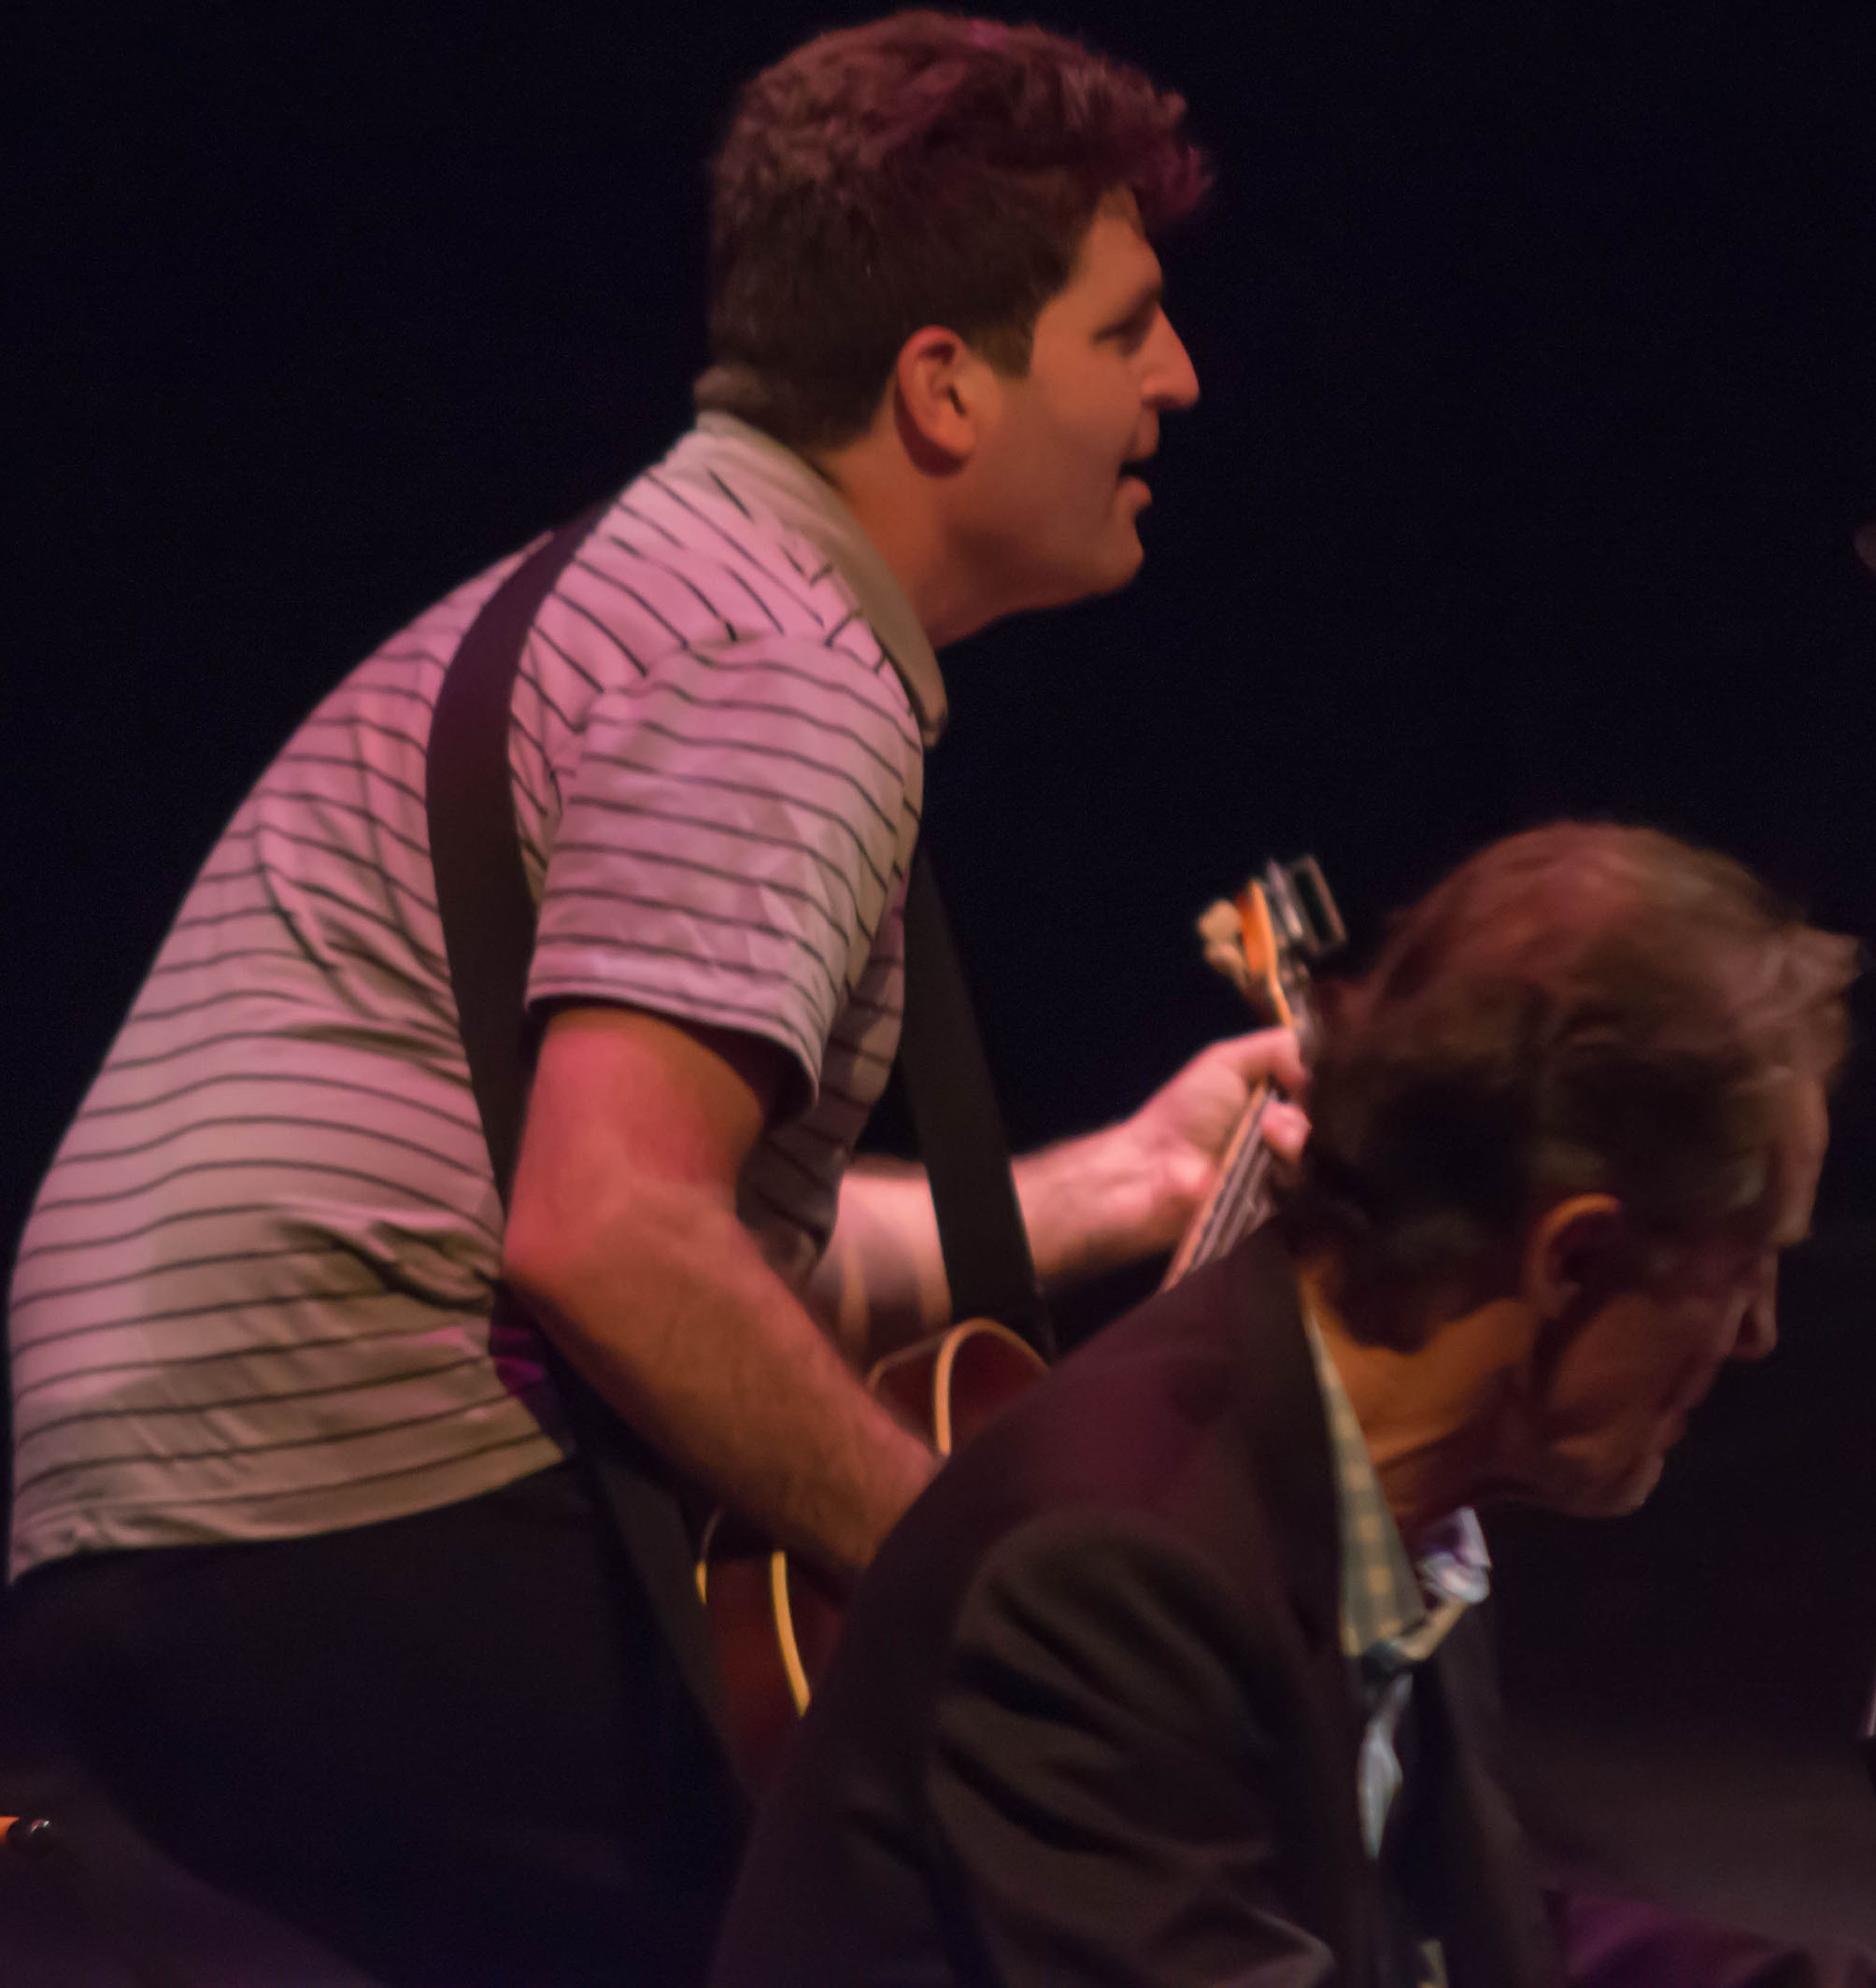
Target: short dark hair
(1581,1008)
(923,169)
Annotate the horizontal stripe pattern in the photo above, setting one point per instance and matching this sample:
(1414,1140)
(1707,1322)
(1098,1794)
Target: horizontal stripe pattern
(252,1298)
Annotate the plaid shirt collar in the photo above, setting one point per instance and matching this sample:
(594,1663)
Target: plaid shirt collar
(1395,1613)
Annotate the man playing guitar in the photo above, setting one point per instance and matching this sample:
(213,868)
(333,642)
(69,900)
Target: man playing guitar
(298,1551)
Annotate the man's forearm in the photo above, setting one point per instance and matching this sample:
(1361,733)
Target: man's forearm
(676,1318)
(1087,1206)
(1090,1204)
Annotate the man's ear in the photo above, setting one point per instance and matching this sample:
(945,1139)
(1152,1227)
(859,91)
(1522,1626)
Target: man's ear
(1575,1249)
(942,396)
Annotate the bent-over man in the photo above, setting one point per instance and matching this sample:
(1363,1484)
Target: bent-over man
(1171,1678)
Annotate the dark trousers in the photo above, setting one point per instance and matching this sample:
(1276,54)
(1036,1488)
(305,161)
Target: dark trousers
(450,1747)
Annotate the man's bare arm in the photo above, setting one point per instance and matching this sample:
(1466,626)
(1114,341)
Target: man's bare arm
(1090,1204)
(623,1240)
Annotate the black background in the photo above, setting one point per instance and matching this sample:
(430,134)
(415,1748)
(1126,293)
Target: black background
(1539,357)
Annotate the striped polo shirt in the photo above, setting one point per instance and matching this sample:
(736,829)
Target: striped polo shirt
(252,1300)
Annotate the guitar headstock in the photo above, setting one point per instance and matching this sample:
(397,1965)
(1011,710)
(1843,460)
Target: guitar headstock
(1267,939)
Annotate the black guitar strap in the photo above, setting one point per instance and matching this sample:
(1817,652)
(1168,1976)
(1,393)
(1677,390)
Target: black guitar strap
(488,916)
(953,1107)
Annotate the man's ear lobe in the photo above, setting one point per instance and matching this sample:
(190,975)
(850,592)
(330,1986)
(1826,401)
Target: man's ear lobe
(939,392)
(1574,1248)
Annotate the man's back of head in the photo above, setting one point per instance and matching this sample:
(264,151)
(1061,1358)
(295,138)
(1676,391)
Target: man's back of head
(1561,1130)
(1581,1007)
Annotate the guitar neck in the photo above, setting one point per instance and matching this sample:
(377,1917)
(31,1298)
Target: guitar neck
(1238,1199)
(1262,942)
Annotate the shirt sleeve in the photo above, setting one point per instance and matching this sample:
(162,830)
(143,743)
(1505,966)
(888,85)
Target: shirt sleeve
(731,841)
(1109,1802)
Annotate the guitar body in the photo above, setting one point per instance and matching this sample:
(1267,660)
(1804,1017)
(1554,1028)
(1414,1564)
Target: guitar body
(776,1622)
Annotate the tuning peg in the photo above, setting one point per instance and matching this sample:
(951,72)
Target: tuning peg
(28,1835)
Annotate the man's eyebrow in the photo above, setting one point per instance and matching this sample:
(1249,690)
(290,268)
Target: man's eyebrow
(1146,298)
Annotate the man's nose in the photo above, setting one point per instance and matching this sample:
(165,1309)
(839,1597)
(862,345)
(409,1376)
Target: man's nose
(1173,381)
(1758,1326)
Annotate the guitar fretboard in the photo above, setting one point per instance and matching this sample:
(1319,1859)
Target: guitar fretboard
(1240,1197)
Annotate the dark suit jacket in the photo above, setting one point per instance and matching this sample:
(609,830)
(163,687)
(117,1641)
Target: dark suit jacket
(1090,1720)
